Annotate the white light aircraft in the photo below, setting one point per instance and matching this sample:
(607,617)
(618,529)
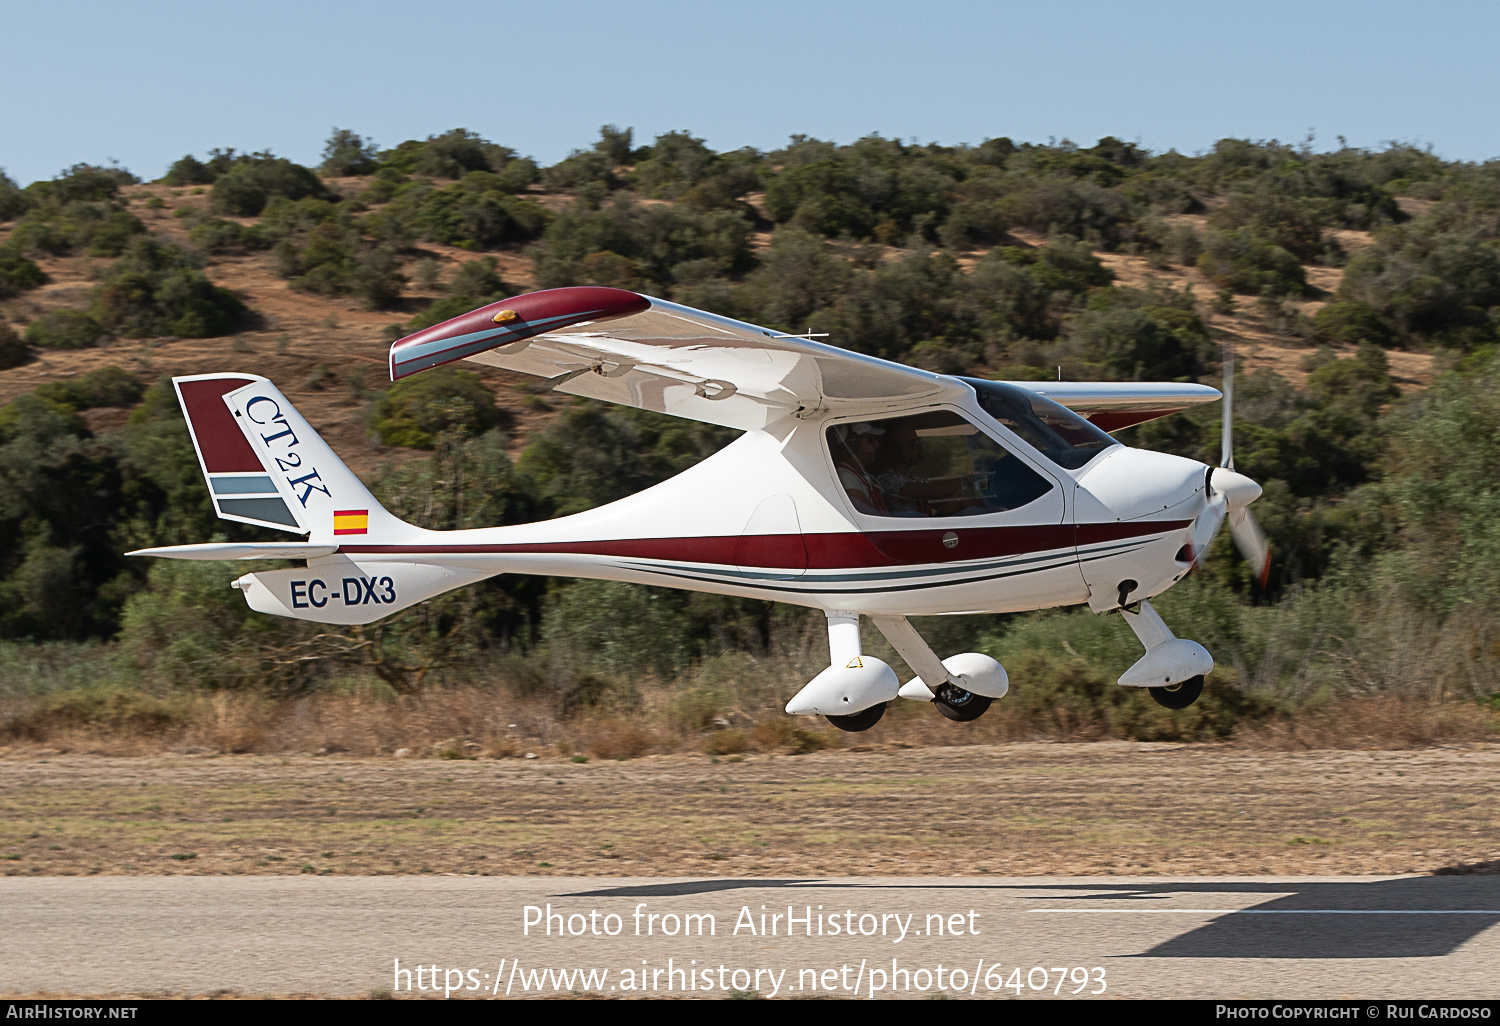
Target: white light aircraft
(859,486)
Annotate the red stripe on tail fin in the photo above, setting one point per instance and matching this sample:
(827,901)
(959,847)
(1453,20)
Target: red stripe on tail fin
(220,441)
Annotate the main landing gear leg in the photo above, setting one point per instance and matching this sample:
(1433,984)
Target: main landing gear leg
(844,650)
(951,692)
(1172,668)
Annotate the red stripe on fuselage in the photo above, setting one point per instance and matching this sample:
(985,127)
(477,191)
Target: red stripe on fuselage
(842,551)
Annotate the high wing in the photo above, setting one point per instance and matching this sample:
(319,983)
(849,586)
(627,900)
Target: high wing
(626,348)
(623,347)
(1114,405)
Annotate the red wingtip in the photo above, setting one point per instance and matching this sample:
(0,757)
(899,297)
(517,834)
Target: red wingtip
(509,321)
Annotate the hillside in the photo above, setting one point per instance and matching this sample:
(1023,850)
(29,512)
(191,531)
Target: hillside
(327,351)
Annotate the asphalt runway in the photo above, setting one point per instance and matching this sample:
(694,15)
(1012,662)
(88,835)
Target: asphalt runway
(1074,938)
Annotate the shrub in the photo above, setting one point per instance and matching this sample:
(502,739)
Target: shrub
(377,279)
(618,739)
(387,183)
(677,161)
(325,264)
(336,262)
(725,742)
(84,182)
(191,171)
(64,329)
(13,351)
(17,273)
(1145,343)
(1430,285)
(450,155)
(102,233)
(284,218)
(106,386)
(1241,261)
(614,144)
(187,170)
(1351,323)
(34,236)
(215,235)
(246,187)
(158,289)
(54,227)
(345,153)
(475,284)
(13,200)
(440,311)
(653,240)
(580,168)
(415,411)
(109,710)
(477,212)
(478,278)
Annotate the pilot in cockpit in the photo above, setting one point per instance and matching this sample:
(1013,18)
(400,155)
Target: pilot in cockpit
(907,490)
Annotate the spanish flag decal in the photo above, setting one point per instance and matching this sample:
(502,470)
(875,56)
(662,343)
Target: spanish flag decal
(351,521)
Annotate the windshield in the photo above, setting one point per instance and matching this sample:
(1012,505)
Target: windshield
(1052,429)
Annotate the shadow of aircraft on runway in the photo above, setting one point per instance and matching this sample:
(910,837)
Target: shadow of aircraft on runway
(1407,917)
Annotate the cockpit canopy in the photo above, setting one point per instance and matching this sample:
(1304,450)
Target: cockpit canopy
(1052,429)
(932,464)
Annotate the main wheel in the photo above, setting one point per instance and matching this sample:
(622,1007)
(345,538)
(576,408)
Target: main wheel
(960,706)
(862,720)
(1179,696)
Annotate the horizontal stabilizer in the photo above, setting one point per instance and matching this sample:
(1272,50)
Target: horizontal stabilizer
(338,590)
(240,550)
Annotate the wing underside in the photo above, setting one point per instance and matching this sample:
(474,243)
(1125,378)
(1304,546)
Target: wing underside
(638,351)
(1115,405)
(626,348)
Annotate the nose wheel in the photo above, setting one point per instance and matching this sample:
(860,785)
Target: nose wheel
(862,720)
(1178,696)
(959,705)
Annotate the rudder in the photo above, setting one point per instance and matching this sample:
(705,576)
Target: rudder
(265,465)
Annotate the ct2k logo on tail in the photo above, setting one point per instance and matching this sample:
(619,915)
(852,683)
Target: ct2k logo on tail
(275,432)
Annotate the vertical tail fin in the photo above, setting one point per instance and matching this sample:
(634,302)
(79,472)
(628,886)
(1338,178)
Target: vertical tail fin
(265,465)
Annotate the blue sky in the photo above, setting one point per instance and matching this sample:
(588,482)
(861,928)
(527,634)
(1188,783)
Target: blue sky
(146,82)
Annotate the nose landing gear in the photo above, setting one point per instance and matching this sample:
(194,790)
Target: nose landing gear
(1172,668)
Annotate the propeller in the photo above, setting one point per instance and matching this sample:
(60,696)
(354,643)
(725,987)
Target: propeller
(1229,496)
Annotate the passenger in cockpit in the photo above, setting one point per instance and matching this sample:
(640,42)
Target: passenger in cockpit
(859,443)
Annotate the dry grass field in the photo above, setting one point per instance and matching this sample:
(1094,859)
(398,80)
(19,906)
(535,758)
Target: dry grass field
(1011,809)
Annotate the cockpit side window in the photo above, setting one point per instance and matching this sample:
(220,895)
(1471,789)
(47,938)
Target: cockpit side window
(935,464)
(1052,429)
